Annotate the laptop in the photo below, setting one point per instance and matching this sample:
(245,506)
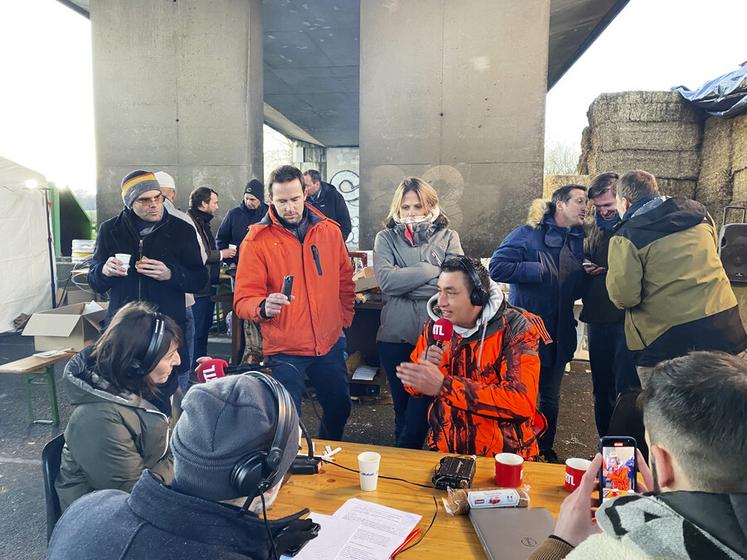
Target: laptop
(511,533)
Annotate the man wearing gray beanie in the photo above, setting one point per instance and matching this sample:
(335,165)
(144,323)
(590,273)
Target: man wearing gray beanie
(223,423)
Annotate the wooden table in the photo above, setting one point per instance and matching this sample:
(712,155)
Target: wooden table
(39,371)
(451,537)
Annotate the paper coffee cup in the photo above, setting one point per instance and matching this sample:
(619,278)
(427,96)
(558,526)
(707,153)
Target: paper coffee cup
(231,246)
(509,470)
(368,466)
(574,470)
(124,258)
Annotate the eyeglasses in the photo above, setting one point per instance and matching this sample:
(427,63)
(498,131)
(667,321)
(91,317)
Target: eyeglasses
(145,201)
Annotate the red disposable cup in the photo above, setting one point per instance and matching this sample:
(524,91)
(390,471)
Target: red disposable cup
(574,470)
(509,470)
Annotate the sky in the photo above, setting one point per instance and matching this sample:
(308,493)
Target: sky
(46,98)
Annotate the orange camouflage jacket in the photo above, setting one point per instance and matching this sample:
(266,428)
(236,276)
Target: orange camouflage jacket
(491,408)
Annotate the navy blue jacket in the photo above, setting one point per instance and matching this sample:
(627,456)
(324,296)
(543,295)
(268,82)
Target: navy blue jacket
(542,262)
(235,226)
(156,521)
(332,204)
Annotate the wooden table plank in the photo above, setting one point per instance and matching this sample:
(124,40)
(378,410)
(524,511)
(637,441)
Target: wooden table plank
(34,364)
(451,536)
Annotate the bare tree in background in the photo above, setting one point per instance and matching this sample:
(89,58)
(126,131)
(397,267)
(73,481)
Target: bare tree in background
(561,159)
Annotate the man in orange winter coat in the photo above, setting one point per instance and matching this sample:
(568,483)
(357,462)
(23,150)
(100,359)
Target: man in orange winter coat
(485,379)
(302,336)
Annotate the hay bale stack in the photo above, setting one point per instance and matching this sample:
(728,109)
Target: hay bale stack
(583,160)
(714,181)
(553,182)
(651,130)
(677,187)
(739,143)
(739,187)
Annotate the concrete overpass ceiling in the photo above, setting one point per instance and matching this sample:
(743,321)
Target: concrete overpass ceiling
(312,59)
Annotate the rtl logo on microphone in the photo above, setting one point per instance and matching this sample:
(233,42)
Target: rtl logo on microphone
(438,330)
(210,373)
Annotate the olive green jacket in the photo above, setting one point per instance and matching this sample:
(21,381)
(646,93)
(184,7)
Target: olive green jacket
(664,271)
(110,438)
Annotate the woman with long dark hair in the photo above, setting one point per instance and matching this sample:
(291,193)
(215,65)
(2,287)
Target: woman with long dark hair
(114,431)
(408,254)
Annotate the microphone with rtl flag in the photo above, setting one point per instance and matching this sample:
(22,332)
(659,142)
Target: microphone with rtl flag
(211,369)
(442,330)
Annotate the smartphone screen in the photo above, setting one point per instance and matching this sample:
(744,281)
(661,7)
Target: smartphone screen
(618,474)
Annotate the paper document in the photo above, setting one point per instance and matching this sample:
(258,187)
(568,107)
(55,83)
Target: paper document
(382,529)
(333,535)
(364,373)
(359,530)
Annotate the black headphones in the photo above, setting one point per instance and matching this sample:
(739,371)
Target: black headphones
(479,296)
(257,472)
(143,366)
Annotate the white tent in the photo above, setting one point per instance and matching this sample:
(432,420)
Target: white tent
(24,251)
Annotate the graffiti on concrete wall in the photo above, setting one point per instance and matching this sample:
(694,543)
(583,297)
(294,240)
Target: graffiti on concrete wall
(347,183)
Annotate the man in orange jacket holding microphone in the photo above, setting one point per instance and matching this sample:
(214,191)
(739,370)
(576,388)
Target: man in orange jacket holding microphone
(302,334)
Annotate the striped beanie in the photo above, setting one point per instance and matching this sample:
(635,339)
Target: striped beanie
(136,183)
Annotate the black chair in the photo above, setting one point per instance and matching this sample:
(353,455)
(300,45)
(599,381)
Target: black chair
(51,457)
(627,419)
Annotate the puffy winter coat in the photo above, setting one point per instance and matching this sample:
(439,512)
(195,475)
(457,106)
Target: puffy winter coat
(543,264)
(323,287)
(332,204)
(407,274)
(110,438)
(235,226)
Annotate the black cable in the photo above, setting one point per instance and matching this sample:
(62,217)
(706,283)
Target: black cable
(433,520)
(267,526)
(430,487)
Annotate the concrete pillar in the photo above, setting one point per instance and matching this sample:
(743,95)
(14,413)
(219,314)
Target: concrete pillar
(177,87)
(454,92)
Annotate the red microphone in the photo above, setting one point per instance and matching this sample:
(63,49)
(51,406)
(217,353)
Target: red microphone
(209,370)
(442,330)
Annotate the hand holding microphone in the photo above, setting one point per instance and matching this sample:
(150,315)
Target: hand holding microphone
(442,330)
(210,369)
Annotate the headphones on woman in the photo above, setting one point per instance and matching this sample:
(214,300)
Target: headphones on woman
(257,472)
(143,366)
(479,296)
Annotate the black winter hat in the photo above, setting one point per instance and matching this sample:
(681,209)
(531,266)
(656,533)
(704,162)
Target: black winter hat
(256,189)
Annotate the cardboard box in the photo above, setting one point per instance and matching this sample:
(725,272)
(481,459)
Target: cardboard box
(365,279)
(72,326)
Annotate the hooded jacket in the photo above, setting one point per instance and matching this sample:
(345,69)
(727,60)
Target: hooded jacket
(664,270)
(407,274)
(235,226)
(323,287)
(542,263)
(172,241)
(488,400)
(332,204)
(672,525)
(156,521)
(110,438)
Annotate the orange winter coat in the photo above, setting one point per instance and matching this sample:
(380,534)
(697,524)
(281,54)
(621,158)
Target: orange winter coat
(323,287)
(492,408)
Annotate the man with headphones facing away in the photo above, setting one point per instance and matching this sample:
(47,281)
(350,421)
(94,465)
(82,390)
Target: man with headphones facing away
(484,380)
(236,439)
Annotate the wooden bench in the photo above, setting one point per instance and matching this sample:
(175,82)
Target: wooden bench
(39,370)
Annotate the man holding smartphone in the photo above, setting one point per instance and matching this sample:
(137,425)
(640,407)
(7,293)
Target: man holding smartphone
(612,365)
(695,494)
(302,334)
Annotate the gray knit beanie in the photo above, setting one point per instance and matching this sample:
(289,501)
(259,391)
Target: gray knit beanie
(136,183)
(222,422)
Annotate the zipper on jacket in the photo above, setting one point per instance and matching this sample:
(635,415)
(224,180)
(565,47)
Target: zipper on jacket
(317,261)
(308,300)
(139,276)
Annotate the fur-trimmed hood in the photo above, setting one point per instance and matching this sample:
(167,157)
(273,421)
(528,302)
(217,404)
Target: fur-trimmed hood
(538,209)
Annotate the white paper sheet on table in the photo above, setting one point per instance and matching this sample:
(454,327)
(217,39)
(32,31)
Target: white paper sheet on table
(364,373)
(359,530)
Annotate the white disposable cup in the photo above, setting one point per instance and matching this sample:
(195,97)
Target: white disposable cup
(368,466)
(124,258)
(231,246)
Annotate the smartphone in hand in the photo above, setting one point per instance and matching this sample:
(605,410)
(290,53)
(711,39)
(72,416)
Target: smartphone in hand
(287,286)
(618,474)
